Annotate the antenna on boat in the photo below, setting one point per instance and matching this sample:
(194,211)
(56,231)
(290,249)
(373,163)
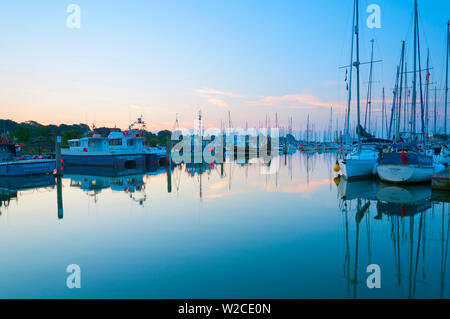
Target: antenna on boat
(176,125)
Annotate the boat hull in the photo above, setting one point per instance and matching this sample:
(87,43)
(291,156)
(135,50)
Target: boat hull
(404,173)
(441,180)
(27,167)
(152,162)
(128,161)
(357,168)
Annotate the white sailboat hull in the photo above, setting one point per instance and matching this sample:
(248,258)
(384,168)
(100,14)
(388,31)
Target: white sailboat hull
(357,168)
(404,173)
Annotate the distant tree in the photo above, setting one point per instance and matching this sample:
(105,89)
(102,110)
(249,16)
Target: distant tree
(44,132)
(162,136)
(153,141)
(23,134)
(149,136)
(69,135)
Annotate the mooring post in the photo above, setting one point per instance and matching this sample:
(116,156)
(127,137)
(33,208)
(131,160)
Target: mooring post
(59,197)
(58,156)
(169,162)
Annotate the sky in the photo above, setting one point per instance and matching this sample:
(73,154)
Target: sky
(169,59)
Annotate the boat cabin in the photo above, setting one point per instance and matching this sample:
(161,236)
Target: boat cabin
(7,152)
(116,141)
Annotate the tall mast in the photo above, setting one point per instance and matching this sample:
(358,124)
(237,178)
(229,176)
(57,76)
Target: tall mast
(394,100)
(356,64)
(427,93)
(397,134)
(331,125)
(382,116)
(307,129)
(369,93)
(435,110)
(446,78)
(414,95)
(422,109)
(407,93)
(347,122)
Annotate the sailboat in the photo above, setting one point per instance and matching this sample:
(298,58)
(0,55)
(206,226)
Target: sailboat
(361,161)
(408,165)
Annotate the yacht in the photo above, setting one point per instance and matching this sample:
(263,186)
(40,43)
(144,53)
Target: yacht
(407,167)
(360,163)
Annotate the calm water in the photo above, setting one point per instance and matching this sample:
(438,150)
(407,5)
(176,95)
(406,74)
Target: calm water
(223,232)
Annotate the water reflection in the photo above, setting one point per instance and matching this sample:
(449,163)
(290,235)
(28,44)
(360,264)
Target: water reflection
(11,187)
(416,217)
(93,181)
(287,228)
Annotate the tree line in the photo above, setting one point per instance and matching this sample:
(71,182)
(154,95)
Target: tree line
(39,138)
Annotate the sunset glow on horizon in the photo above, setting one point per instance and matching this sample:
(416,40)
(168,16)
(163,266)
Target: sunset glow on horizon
(168,60)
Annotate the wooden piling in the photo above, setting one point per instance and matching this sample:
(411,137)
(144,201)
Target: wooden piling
(59,197)
(169,162)
(58,156)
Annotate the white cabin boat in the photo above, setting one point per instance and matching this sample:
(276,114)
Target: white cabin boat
(119,149)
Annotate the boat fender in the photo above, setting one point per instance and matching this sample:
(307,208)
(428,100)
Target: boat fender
(125,133)
(336,167)
(337,180)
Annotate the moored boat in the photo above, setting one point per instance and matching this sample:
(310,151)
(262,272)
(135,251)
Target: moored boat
(441,180)
(11,165)
(119,149)
(405,167)
(359,164)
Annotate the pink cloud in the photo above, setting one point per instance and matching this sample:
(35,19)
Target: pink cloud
(296,101)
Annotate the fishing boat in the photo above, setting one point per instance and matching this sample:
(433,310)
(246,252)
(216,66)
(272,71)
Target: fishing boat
(118,149)
(154,157)
(12,165)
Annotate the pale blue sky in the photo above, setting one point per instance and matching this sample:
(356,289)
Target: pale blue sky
(160,58)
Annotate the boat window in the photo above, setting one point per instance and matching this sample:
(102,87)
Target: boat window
(130,142)
(74,143)
(93,143)
(115,141)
